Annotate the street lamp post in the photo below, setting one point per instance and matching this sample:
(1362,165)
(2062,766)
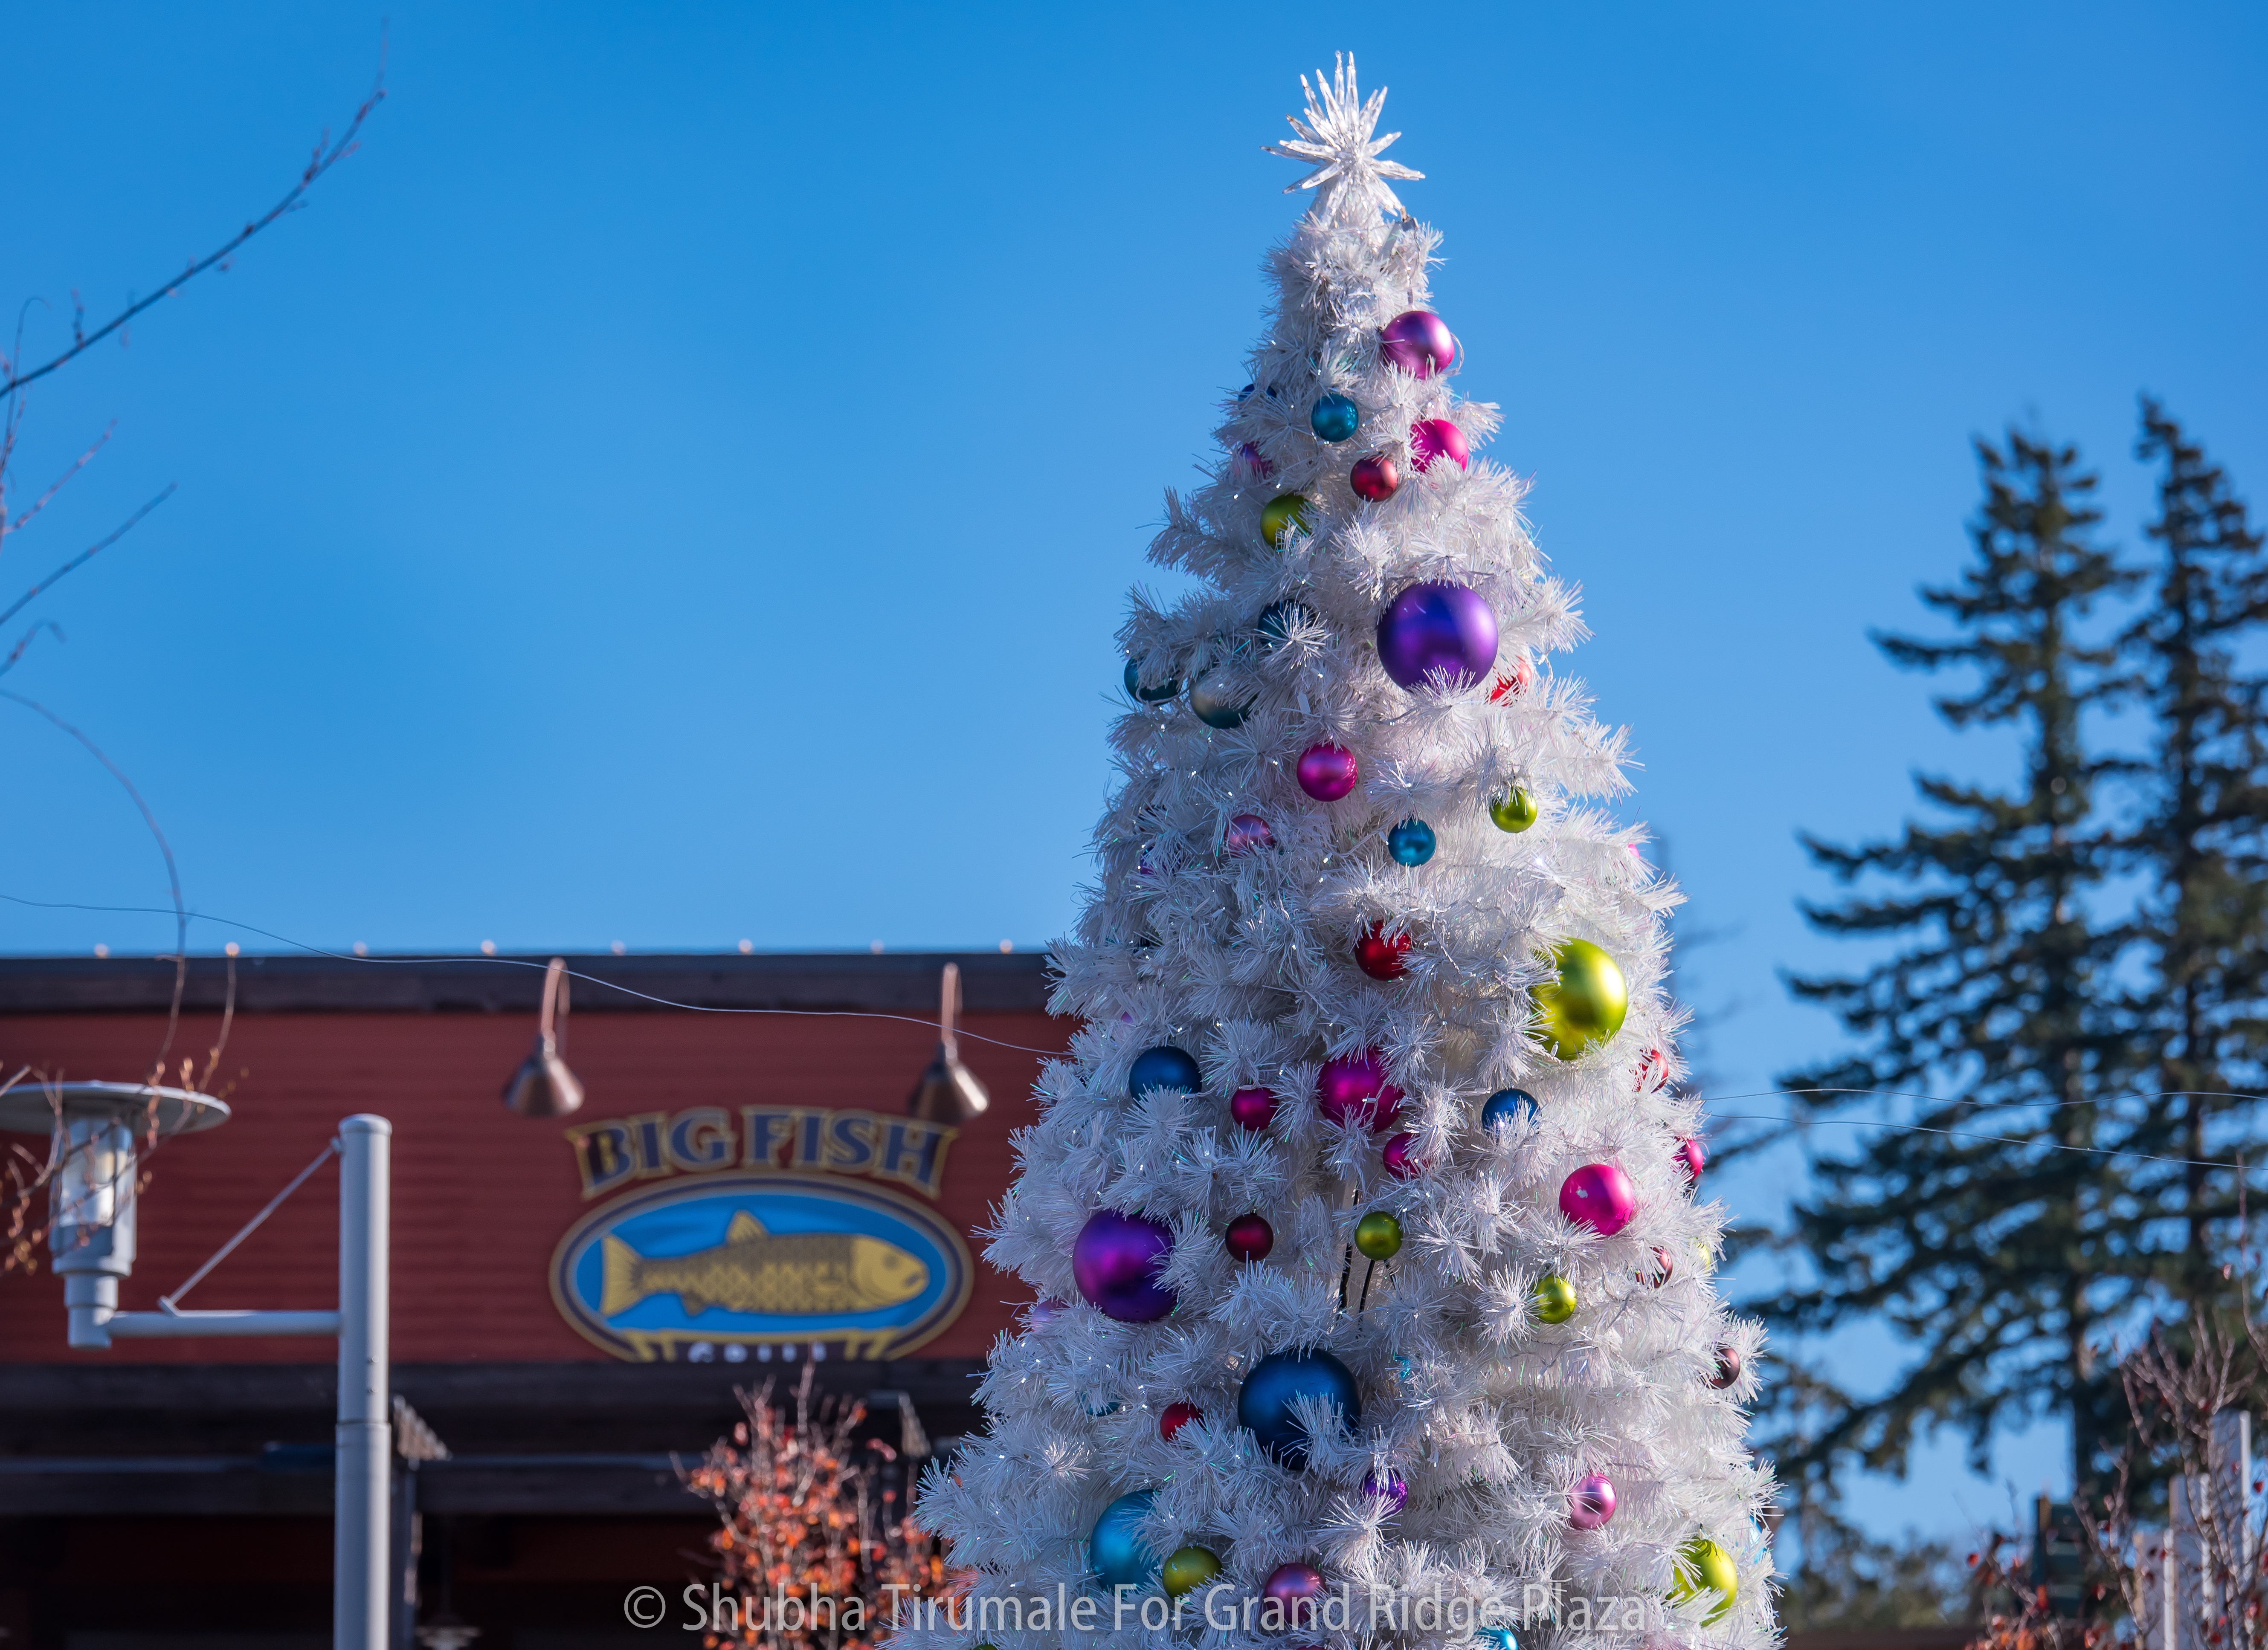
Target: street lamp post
(98,1129)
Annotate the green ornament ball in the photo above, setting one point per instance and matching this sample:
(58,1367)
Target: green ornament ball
(1285,512)
(1379,1236)
(1702,1566)
(1584,1004)
(1157,695)
(1189,1568)
(1556,1300)
(1513,808)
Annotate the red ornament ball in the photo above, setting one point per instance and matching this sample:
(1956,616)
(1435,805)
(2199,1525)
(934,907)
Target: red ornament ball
(1379,954)
(1401,1156)
(1375,478)
(1252,1108)
(1653,1071)
(1431,438)
(1513,682)
(1249,1237)
(1693,1157)
(1327,772)
(1660,1273)
(1727,1369)
(1176,1416)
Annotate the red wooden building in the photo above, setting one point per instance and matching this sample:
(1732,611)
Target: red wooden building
(547,1322)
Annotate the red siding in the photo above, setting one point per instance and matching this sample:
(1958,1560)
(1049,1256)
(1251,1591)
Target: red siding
(479,1197)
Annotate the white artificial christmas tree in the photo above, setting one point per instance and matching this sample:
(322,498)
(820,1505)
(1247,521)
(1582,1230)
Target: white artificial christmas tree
(1362,1216)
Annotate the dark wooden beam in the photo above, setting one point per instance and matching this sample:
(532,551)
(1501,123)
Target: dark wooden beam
(896,982)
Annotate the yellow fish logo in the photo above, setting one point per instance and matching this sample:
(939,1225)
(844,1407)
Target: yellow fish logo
(800,1273)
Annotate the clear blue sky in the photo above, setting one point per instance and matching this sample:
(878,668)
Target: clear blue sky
(678,484)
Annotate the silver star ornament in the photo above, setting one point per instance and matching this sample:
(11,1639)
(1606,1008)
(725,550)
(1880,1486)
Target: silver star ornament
(1336,140)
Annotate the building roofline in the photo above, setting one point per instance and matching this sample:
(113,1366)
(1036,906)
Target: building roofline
(992,982)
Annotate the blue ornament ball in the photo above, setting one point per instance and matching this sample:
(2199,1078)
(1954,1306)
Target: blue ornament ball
(1163,1066)
(1507,1106)
(1411,842)
(1280,1380)
(1333,418)
(1114,1551)
(1277,620)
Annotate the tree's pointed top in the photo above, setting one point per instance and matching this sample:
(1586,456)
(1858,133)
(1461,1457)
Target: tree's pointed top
(1336,140)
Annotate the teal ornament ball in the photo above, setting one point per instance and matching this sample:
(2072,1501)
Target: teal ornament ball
(1216,703)
(1114,1551)
(1276,1383)
(1411,842)
(1333,418)
(1157,695)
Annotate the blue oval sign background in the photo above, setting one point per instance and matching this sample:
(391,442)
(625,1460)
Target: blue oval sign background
(760,1259)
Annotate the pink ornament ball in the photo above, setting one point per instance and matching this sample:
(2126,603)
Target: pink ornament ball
(1693,1157)
(1247,833)
(1598,1196)
(1327,772)
(1401,1156)
(1292,1594)
(1354,1086)
(1252,1108)
(1592,1503)
(1419,342)
(1431,438)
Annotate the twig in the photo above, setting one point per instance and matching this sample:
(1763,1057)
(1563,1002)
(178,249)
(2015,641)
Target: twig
(172,872)
(80,560)
(327,156)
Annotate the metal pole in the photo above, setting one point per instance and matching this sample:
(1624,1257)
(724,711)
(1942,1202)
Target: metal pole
(362,1577)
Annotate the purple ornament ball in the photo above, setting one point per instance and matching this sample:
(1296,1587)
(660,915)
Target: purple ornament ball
(1354,1086)
(1431,438)
(1246,832)
(1437,630)
(1401,1156)
(1252,1108)
(1390,1485)
(1598,1196)
(1292,1595)
(1114,1263)
(1327,772)
(1592,1503)
(1419,342)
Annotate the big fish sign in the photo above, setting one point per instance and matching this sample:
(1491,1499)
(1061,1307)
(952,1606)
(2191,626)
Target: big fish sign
(770,1253)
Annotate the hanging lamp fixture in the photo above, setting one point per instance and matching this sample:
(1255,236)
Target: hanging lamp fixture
(543,1086)
(947,1091)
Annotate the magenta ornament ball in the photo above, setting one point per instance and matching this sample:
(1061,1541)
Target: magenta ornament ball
(1114,1264)
(1598,1196)
(1693,1157)
(1592,1503)
(1437,630)
(1419,342)
(1252,1108)
(1296,1590)
(1327,772)
(1431,438)
(1401,1156)
(1354,1086)
(1247,832)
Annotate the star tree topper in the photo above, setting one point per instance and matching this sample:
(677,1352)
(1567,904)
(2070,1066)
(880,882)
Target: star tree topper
(1336,140)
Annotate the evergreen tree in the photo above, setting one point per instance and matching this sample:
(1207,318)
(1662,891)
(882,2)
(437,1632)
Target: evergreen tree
(1971,1226)
(1361,1213)
(2203,839)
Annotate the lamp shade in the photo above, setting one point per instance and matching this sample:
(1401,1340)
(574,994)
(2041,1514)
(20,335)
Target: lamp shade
(947,1091)
(542,1086)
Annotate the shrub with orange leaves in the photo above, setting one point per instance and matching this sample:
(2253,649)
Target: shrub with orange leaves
(809,1542)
